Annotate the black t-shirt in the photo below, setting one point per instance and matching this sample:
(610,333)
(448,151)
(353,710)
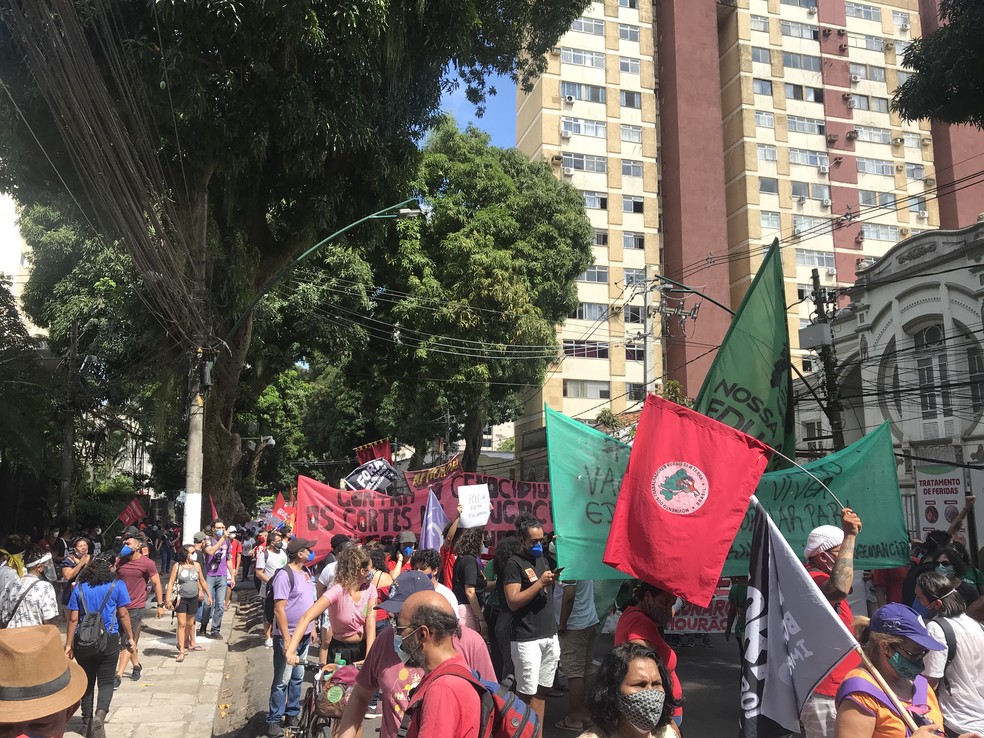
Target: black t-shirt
(536,619)
(467,574)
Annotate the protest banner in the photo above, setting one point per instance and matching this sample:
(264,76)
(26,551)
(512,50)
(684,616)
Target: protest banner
(377,474)
(132,512)
(586,470)
(863,476)
(691,618)
(940,493)
(749,385)
(474,501)
(381,449)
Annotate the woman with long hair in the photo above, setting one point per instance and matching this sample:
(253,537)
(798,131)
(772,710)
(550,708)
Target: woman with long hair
(380,578)
(350,602)
(185,588)
(631,696)
(468,581)
(497,613)
(98,590)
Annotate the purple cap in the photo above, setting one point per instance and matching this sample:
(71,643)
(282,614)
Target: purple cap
(405,585)
(900,620)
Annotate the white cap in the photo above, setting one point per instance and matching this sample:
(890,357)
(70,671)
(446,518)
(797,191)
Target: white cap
(822,539)
(231,529)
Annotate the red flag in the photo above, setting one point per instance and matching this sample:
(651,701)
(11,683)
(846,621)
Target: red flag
(376,450)
(215,515)
(683,497)
(280,508)
(132,512)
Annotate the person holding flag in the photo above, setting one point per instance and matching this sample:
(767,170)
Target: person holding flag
(829,554)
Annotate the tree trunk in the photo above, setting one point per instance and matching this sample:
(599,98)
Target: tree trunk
(474,425)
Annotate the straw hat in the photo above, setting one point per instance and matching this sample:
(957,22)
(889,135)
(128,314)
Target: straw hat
(36,680)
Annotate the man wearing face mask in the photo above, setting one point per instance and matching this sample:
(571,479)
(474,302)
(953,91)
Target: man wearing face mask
(293,594)
(406,544)
(829,554)
(136,569)
(640,624)
(31,599)
(527,582)
(390,667)
(275,557)
(216,571)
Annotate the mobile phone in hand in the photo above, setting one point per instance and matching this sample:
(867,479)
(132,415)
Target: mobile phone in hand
(556,572)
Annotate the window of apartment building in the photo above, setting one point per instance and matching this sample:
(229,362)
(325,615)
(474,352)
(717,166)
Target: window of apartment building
(975,366)
(635,392)
(584,127)
(917,204)
(630,99)
(804,223)
(810,258)
(879,232)
(590,311)
(635,352)
(587,389)
(810,190)
(874,104)
(803,291)
(800,30)
(874,135)
(912,140)
(634,314)
(632,134)
(875,166)
(594,26)
(633,240)
(800,3)
(632,203)
(630,4)
(631,168)
(627,32)
(796,124)
(791,60)
(582,58)
(767,152)
(900,48)
(868,71)
(768,185)
(808,157)
(769,220)
(628,65)
(900,19)
(588,93)
(915,171)
(872,199)
(586,162)
(633,276)
(859,10)
(760,23)
(596,200)
(861,41)
(903,76)
(804,92)
(764,119)
(761,55)
(600,237)
(595,273)
(762,86)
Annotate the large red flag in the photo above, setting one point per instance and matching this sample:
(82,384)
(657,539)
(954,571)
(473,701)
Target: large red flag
(380,449)
(683,496)
(132,512)
(280,508)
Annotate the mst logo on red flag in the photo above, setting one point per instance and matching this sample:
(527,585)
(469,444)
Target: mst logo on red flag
(683,497)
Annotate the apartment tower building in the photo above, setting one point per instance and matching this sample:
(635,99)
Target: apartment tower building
(772,120)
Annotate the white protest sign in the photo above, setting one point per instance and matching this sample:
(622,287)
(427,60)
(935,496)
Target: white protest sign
(474,499)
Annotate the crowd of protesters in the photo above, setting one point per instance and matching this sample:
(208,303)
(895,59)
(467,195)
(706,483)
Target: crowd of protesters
(404,616)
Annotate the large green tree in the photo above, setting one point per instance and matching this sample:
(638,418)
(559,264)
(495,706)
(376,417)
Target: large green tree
(256,127)
(947,84)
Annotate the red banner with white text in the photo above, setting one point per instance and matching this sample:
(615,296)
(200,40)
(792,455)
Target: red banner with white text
(132,512)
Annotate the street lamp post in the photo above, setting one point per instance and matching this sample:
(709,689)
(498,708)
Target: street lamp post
(196,414)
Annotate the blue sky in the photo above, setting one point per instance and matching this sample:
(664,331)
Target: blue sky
(499,120)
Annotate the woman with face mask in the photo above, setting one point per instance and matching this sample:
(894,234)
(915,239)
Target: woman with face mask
(642,622)
(897,643)
(185,588)
(630,697)
(948,563)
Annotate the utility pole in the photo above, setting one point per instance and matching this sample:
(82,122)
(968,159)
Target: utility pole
(829,361)
(68,424)
(196,458)
(647,331)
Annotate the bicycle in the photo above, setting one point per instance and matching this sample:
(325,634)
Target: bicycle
(311,724)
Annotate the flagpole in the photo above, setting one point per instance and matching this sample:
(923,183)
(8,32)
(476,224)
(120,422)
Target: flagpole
(883,685)
(803,468)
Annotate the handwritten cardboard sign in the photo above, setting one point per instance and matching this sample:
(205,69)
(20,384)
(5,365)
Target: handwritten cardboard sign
(474,501)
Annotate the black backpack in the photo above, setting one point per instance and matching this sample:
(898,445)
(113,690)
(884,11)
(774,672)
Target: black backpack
(91,638)
(268,600)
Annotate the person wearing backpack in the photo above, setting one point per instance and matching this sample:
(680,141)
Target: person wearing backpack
(956,673)
(31,599)
(97,613)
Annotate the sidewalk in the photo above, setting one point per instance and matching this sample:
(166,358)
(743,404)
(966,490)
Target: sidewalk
(170,699)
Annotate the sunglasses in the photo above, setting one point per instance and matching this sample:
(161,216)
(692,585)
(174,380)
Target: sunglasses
(913,656)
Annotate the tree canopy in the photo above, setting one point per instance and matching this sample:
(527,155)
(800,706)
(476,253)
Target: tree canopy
(947,84)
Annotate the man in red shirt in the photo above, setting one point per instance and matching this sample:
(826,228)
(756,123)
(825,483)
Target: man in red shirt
(640,623)
(829,555)
(136,569)
(443,705)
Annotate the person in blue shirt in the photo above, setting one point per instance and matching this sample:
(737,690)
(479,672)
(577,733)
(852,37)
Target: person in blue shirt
(94,582)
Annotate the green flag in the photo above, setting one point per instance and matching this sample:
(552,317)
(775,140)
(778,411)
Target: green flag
(863,476)
(586,470)
(749,385)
